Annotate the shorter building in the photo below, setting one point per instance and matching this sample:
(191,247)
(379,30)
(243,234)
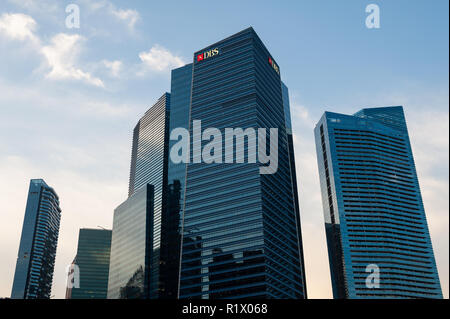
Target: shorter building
(37,251)
(91,265)
(132,246)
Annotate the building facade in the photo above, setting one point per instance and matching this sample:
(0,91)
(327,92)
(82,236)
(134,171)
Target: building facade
(240,229)
(91,264)
(132,247)
(180,98)
(147,187)
(37,251)
(378,241)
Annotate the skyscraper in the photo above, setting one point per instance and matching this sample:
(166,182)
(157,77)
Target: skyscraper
(217,230)
(138,221)
(240,229)
(378,240)
(37,251)
(92,260)
(150,148)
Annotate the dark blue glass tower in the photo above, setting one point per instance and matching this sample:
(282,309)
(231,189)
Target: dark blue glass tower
(92,259)
(216,230)
(374,215)
(37,251)
(240,229)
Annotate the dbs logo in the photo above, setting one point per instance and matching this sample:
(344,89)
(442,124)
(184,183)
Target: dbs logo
(207,54)
(274,65)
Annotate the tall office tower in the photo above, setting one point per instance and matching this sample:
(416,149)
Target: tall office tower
(148,175)
(37,250)
(240,228)
(377,234)
(91,264)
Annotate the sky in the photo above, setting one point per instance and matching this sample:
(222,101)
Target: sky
(70,98)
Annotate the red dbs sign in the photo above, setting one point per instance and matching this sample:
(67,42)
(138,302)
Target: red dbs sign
(200,57)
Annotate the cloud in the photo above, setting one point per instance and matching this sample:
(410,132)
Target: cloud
(300,112)
(115,67)
(159,59)
(129,16)
(42,98)
(106,109)
(17,26)
(61,55)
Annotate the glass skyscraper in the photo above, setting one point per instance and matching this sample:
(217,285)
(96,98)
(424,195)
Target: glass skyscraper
(217,230)
(374,216)
(240,229)
(37,251)
(135,273)
(92,260)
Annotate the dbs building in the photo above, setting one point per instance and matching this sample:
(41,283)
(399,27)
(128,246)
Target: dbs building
(240,229)
(224,230)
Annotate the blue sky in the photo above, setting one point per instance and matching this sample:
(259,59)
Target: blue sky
(69,98)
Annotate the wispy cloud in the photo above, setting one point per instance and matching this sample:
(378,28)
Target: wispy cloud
(129,16)
(17,26)
(301,113)
(61,53)
(42,98)
(159,59)
(115,67)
